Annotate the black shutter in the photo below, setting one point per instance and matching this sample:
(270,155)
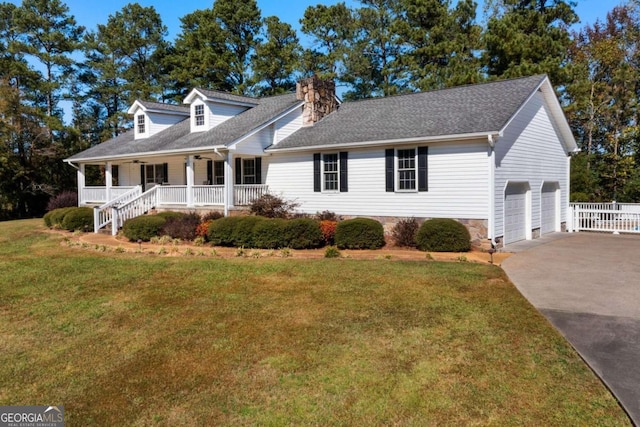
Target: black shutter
(389,156)
(210,172)
(344,186)
(423,169)
(317,185)
(258,170)
(142,177)
(238,171)
(165,171)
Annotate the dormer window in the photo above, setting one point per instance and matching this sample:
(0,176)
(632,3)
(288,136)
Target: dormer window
(141,124)
(199,115)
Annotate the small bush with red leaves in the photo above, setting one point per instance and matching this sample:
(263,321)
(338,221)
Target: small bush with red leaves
(405,231)
(328,229)
(181,227)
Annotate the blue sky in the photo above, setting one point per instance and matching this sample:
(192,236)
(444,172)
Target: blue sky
(89,13)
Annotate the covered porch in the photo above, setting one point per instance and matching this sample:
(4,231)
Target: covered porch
(132,187)
(217,180)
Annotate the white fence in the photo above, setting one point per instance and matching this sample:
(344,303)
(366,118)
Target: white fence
(605,217)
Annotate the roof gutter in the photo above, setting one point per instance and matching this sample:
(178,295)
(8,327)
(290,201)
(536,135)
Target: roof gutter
(70,163)
(133,156)
(364,144)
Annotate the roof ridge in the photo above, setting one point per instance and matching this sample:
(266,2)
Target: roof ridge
(467,85)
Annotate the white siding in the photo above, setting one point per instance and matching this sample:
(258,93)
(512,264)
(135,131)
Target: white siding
(159,122)
(458,183)
(219,112)
(288,125)
(256,143)
(530,151)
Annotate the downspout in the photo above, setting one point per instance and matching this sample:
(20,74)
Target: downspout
(491,226)
(72,165)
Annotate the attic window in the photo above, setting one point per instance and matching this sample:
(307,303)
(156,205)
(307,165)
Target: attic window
(199,115)
(141,128)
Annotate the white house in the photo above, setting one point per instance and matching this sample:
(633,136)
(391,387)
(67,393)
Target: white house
(494,156)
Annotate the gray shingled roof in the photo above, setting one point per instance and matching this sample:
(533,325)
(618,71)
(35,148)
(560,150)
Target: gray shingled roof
(179,136)
(228,96)
(460,110)
(166,107)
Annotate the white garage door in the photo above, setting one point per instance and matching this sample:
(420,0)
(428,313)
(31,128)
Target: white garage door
(548,208)
(515,213)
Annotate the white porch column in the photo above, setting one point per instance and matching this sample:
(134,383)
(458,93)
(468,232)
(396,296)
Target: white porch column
(81,184)
(108,180)
(228,183)
(190,180)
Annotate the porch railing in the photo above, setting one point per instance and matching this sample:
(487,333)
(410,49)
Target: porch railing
(99,194)
(135,203)
(605,217)
(133,208)
(208,195)
(102,215)
(245,194)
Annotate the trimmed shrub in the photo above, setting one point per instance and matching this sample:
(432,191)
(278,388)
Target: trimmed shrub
(170,214)
(270,206)
(221,231)
(143,227)
(303,233)
(78,219)
(328,229)
(242,235)
(56,216)
(405,231)
(181,227)
(359,233)
(443,235)
(66,199)
(270,234)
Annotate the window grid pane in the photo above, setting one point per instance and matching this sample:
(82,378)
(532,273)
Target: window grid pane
(218,173)
(407,169)
(141,123)
(199,110)
(330,162)
(248,171)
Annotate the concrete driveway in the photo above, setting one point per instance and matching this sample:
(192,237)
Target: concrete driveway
(588,286)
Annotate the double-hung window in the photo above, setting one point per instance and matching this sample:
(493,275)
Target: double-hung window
(218,172)
(406,169)
(156,174)
(248,171)
(141,123)
(330,171)
(199,115)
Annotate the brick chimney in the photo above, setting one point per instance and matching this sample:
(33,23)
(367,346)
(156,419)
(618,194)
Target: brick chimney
(319,98)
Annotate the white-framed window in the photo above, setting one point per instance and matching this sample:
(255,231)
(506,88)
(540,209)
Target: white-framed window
(330,172)
(248,171)
(155,174)
(199,114)
(218,172)
(141,123)
(406,169)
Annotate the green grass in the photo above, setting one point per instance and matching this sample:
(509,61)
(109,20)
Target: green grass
(128,339)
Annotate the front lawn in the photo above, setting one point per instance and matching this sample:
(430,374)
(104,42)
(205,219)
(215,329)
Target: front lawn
(134,339)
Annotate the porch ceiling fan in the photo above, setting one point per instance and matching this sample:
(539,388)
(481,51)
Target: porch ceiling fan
(199,157)
(135,162)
